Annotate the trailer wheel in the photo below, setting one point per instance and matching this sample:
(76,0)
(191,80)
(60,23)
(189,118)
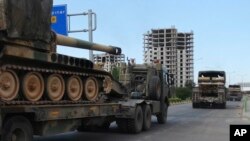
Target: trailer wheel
(146,117)
(17,128)
(154,88)
(135,124)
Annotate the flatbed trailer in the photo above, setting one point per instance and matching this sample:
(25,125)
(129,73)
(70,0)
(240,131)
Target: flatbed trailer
(23,121)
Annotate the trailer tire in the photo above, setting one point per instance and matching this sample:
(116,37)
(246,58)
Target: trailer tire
(146,117)
(154,88)
(17,128)
(135,124)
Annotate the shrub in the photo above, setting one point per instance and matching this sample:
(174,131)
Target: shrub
(183,93)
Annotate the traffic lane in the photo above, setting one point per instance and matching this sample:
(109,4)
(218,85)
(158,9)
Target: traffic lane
(112,134)
(184,123)
(204,124)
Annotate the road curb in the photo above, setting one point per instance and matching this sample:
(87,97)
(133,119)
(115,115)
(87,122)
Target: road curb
(180,102)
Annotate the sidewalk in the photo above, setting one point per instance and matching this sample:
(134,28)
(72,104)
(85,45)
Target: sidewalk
(246,107)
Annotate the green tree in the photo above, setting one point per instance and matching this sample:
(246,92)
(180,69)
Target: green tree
(115,73)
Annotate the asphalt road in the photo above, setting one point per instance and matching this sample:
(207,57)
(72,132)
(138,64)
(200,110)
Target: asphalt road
(184,124)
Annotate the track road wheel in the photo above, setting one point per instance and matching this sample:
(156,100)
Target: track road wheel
(74,88)
(154,88)
(9,85)
(91,89)
(55,87)
(33,86)
(146,117)
(135,124)
(17,128)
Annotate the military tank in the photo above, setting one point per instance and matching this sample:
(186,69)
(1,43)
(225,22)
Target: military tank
(32,72)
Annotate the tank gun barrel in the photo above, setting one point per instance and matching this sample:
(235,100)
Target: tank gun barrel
(77,43)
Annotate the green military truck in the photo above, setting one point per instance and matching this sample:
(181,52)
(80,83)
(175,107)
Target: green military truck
(210,91)
(43,92)
(234,93)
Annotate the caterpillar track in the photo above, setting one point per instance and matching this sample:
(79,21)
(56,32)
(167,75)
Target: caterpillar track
(33,85)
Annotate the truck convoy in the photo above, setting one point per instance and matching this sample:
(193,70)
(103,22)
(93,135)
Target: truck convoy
(211,90)
(234,93)
(43,92)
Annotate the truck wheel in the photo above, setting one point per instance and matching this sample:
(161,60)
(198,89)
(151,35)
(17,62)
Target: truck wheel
(17,128)
(135,124)
(146,117)
(154,88)
(162,116)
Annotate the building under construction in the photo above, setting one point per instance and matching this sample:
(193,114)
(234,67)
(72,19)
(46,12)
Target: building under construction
(108,60)
(174,50)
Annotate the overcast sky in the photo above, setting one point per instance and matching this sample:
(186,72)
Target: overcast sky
(221,29)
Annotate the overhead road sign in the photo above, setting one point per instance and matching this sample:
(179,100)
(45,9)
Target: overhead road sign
(59,19)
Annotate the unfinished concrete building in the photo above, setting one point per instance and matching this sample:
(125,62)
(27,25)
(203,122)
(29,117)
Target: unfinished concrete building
(174,50)
(109,60)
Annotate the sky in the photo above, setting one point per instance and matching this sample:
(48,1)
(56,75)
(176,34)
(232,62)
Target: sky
(221,29)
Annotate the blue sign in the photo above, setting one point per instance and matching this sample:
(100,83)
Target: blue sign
(59,19)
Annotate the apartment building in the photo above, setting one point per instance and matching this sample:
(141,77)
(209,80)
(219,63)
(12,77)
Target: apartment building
(173,49)
(109,60)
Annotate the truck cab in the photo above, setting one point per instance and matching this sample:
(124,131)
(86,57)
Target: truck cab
(210,90)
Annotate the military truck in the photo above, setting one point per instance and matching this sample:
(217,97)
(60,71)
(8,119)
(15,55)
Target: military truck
(43,92)
(234,93)
(210,90)
(148,81)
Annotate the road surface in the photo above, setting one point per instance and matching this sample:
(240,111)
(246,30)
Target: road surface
(184,124)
